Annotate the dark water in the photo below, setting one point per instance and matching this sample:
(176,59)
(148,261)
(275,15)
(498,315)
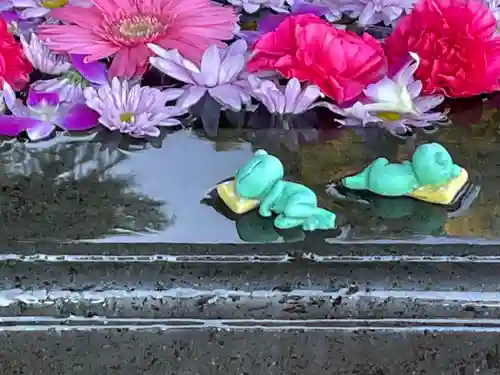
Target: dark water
(78,189)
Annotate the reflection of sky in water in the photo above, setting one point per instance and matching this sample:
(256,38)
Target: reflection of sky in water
(187,167)
(160,174)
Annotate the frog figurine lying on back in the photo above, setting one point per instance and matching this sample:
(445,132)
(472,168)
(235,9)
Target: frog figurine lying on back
(431,176)
(261,180)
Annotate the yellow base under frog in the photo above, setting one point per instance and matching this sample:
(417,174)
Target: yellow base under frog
(236,204)
(444,194)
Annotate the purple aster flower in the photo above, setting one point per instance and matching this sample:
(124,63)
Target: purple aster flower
(394,103)
(270,21)
(41,8)
(370,12)
(72,82)
(252,6)
(291,99)
(132,109)
(42,114)
(220,74)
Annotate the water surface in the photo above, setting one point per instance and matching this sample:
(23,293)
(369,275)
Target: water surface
(69,188)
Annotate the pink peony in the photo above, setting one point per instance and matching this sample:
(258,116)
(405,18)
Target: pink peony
(304,46)
(457,44)
(123,28)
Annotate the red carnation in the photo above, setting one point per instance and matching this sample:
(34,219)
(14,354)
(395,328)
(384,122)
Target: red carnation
(14,66)
(457,45)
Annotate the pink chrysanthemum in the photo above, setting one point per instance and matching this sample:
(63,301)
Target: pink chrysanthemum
(123,28)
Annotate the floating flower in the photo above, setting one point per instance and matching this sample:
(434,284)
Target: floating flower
(71,83)
(219,74)
(394,103)
(14,67)
(372,12)
(132,109)
(15,24)
(42,8)
(42,58)
(42,113)
(270,21)
(285,100)
(123,30)
(252,6)
(494,6)
(457,45)
(339,62)
(6,5)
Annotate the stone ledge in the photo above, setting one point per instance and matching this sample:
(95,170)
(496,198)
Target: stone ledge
(229,352)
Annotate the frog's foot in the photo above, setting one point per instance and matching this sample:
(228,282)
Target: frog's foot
(321,219)
(285,222)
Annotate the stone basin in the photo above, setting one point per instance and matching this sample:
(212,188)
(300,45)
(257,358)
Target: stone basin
(114,261)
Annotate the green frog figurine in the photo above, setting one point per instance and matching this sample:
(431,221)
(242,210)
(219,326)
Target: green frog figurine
(259,183)
(430,176)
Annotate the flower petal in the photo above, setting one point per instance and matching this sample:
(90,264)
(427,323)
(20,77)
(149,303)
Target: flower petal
(40,130)
(172,94)
(80,117)
(385,90)
(292,93)
(94,72)
(210,66)
(37,98)
(16,106)
(191,96)
(307,98)
(12,126)
(227,95)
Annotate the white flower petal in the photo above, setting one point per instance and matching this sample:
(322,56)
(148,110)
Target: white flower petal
(307,98)
(292,93)
(210,66)
(191,96)
(227,95)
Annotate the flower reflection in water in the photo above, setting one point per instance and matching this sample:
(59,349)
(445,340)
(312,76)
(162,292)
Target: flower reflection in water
(66,192)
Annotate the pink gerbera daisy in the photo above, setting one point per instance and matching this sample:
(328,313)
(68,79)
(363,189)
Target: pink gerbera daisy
(123,28)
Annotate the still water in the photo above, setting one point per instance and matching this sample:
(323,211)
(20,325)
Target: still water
(68,188)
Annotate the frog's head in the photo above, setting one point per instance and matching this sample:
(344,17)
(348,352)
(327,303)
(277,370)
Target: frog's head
(433,165)
(256,178)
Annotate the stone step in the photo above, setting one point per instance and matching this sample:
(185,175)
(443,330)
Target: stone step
(110,287)
(247,350)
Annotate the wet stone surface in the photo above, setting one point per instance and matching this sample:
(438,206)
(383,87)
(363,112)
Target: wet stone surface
(114,261)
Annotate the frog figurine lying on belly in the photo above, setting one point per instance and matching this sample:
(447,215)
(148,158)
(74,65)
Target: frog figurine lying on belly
(260,183)
(430,176)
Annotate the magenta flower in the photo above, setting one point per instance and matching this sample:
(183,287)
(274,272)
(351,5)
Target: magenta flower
(121,30)
(42,114)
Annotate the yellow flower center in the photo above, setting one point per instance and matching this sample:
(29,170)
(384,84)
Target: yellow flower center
(127,117)
(389,116)
(249,25)
(54,4)
(140,27)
